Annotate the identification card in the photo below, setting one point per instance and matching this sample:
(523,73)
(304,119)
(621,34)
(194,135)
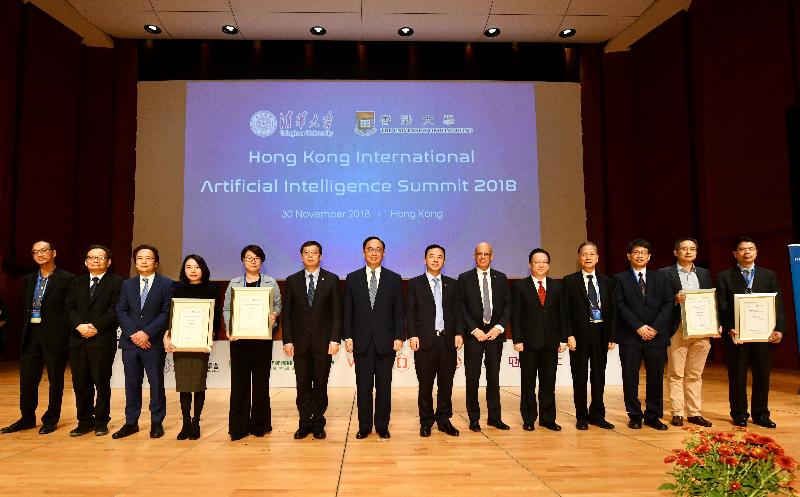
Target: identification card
(36,316)
(597,316)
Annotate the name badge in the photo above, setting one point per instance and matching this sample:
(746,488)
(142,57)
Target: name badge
(36,316)
(597,316)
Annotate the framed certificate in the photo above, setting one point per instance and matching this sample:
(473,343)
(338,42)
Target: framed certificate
(699,314)
(250,310)
(754,315)
(191,324)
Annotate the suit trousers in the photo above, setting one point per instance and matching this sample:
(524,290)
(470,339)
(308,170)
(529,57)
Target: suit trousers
(250,412)
(758,356)
(311,372)
(438,362)
(542,363)
(374,370)
(593,351)
(91,372)
(489,353)
(631,357)
(687,359)
(37,355)
(136,363)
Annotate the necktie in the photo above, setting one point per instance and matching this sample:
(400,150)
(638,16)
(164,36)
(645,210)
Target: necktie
(642,284)
(592,292)
(311,289)
(93,288)
(487,306)
(437,299)
(373,289)
(542,293)
(145,291)
(748,280)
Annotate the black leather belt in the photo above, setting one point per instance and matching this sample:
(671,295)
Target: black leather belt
(439,333)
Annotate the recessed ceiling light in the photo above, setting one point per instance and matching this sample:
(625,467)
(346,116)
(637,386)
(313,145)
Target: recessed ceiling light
(566,33)
(405,31)
(318,30)
(492,32)
(152,29)
(230,30)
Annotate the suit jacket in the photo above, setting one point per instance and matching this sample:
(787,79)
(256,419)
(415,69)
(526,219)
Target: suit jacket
(152,318)
(535,325)
(381,324)
(579,312)
(54,307)
(703,277)
(100,312)
(421,312)
(312,326)
(239,281)
(731,281)
(470,288)
(636,310)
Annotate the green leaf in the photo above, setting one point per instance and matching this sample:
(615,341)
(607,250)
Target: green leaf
(667,486)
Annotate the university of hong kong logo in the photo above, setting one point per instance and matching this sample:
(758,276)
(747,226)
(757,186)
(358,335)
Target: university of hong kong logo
(263,123)
(365,123)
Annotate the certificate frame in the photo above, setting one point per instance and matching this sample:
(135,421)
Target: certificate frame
(250,310)
(699,317)
(754,315)
(192,324)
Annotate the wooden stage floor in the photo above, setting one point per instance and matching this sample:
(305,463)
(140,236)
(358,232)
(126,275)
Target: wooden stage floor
(540,463)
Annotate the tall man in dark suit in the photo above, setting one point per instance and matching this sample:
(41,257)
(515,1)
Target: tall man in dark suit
(92,310)
(45,335)
(592,314)
(373,332)
(312,330)
(435,328)
(143,313)
(539,328)
(486,301)
(644,326)
(745,277)
(687,356)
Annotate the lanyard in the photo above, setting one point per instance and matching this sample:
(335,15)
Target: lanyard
(748,278)
(38,293)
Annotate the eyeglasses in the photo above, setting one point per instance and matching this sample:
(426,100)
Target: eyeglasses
(744,250)
(373,250)
(640,252)
(687,249)
(97,258)
(310,252)
(145,259)
(40,251)
(251,258)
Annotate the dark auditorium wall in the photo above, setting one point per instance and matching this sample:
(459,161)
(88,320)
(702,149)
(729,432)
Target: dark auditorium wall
(67,137)
(686,133)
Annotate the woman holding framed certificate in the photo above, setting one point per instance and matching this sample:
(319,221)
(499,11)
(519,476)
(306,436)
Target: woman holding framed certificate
(191,368)
(250,315)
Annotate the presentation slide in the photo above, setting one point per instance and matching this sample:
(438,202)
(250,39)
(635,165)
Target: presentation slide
(415,163)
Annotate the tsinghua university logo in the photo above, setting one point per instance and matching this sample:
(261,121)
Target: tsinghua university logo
(263,123)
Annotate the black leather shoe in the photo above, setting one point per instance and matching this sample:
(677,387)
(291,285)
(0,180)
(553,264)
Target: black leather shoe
(81,430)
(156,430)
(635,424)
(582,425)
(765,422)
(475,426)
(260,433)
(125,431)
(362,434)
(602,423)
(449,429)
(47,428)
(655,424)
(699,420)
(498,424)
(676,421)
(384,433)
(195,433)
(551,425)
(320,434)
(18,425)
(742,422)
(101,430)
(238,437)
(425,431)
(528,427)
(301,433)
(186,429)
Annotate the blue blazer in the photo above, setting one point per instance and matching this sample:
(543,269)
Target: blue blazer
(153,318)
(635,310)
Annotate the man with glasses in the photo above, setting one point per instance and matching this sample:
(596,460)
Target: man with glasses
(745,277)
(45,336)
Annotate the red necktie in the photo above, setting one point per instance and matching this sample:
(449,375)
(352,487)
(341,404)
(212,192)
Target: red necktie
(542,293)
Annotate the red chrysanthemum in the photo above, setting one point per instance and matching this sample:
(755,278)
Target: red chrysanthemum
(731,461)
(670,459)
(740,449)
(775,448)
(735,486)
(686,458)
(758,452)
(702,449)
(725,450)
(785,462)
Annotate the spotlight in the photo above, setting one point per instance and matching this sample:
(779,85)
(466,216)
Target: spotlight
(152,29)
(492,32)
(230,30)
(405,31)
(566,33)
(318,30)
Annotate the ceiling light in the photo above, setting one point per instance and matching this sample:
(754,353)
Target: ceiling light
(230,30)
(152,29)
(405,31)
(318,30)
(492,32)
(566,33)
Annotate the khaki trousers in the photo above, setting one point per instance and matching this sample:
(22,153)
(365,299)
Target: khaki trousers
(687,358)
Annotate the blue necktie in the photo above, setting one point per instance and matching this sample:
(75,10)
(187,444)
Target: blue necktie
(437,299)
(311,289)
(145,291)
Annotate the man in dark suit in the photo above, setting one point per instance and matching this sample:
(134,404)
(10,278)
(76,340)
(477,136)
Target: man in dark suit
(687,356)
(92,310)
(743,278)
(592,314)
(312,330)
(486,301)
(143,313)
(373,332)
(539,328)
(644,326)
(45,335)
(435,328)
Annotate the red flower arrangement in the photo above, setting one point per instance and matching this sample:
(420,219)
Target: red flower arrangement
(739,463)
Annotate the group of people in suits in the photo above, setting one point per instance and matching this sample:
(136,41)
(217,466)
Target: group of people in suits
(586,313)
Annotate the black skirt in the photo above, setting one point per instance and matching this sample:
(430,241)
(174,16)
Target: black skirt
(191,370)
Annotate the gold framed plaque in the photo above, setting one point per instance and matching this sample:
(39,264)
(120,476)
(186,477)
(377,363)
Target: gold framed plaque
(250,310)
(699,314)
(191,324)
(754,315)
